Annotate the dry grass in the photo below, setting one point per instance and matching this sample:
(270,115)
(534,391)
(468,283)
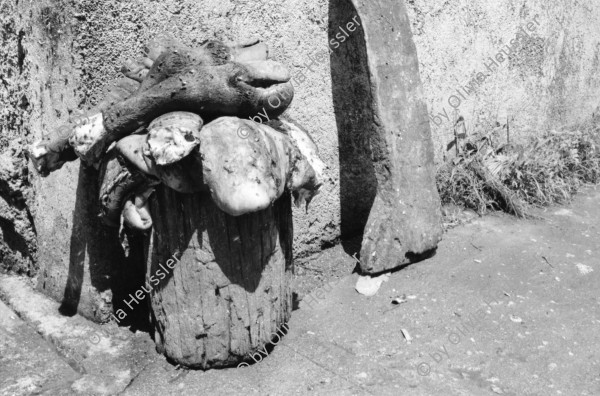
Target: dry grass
(489,175)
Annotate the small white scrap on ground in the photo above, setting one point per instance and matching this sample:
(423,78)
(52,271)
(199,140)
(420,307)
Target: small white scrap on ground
(584,269)
(516,319)
(369,286)
(399,300)
(563,212)
(406,335)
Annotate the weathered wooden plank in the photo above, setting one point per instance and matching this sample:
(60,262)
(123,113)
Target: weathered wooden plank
(405,220)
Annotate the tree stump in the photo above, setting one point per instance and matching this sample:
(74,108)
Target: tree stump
(230,289)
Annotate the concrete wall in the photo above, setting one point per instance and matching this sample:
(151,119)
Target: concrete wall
(69,50)
(551,79)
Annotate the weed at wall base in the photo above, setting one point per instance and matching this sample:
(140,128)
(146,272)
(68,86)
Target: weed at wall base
(490,174)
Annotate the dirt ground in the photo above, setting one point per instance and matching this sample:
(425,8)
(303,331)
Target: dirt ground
(506,306)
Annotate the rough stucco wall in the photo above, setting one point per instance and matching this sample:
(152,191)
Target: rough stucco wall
(17,233)
(71,49)
(551,80)
(79,263)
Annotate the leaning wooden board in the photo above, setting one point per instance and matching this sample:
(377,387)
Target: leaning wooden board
(405,220)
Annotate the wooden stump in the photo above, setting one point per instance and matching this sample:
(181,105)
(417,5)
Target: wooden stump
(231,288)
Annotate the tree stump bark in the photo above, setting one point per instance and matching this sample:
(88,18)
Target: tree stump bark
(230,290)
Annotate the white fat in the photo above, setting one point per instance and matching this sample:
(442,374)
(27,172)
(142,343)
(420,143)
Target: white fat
(88,138)
(168,145)
(37,153)
(173,136)
(137,218)
(309,150)
(38,150)
(248,197)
